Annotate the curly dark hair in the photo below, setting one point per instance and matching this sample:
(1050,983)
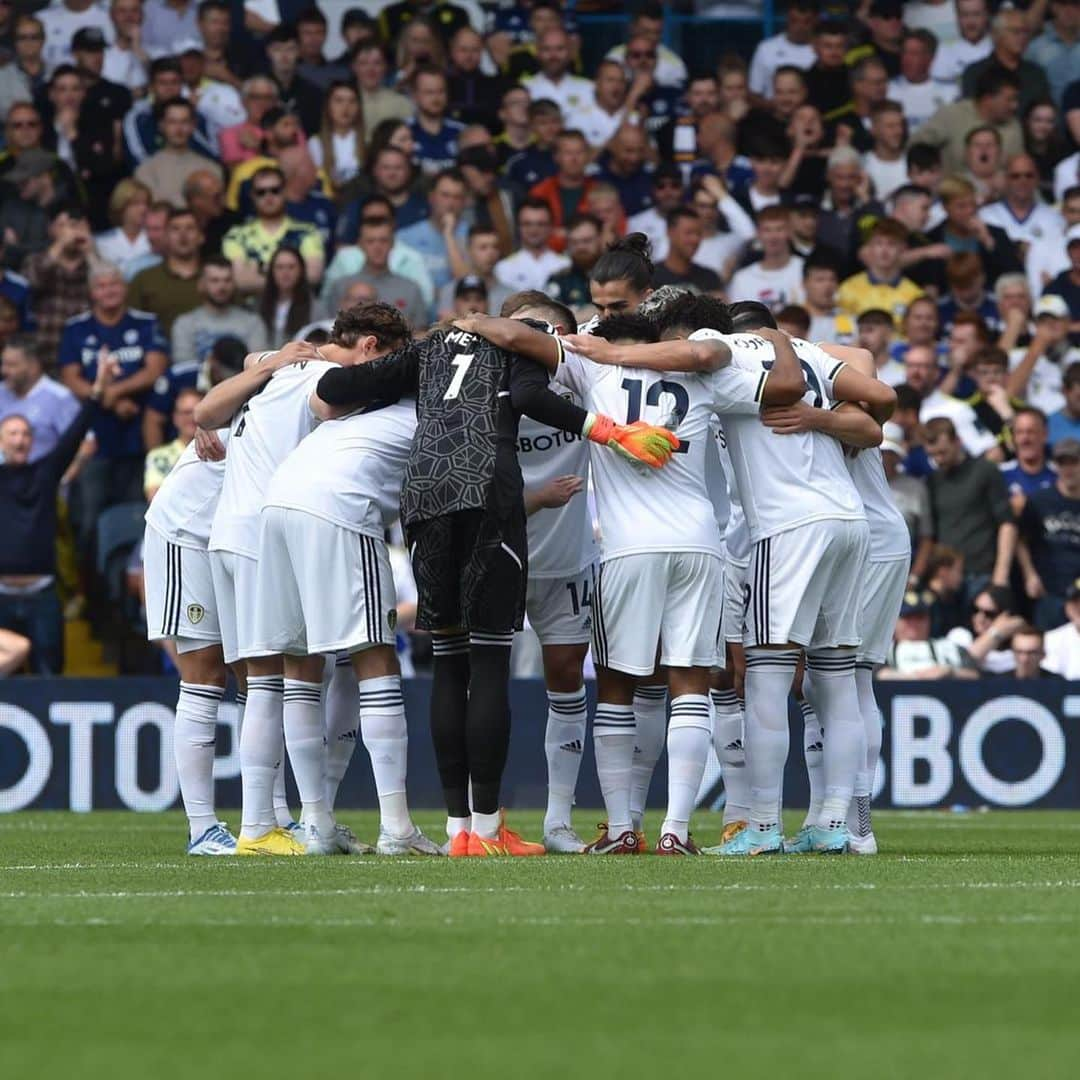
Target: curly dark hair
(627,326)
(693,312)
(383,321)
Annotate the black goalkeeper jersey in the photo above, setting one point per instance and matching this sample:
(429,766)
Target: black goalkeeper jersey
(469,395)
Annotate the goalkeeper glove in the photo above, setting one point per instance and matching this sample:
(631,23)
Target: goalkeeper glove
(637,442)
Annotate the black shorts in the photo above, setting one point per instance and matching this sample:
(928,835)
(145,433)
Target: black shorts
(471,571)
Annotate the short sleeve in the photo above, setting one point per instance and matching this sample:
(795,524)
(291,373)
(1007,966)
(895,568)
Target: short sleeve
(575,371)
(311,246)
(157,341)
(735,390)
(68,351)
(827,368)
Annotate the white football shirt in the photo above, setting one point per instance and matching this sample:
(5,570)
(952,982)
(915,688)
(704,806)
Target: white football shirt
(349,471)
(561,539)
(668,509)
(889,538)
(264,432)
(790,480)
(737,533)
(776,288)
(183,508)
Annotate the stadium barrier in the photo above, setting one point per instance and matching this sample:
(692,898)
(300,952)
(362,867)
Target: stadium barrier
(83,744)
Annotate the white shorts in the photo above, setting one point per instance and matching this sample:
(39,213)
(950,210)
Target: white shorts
(320,588)
(734,599)
(180,602)
(676,598)
(234,587)
(884,584)
(560,608)
(805,585)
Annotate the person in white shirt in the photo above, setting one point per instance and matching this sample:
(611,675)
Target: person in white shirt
(792,47)
(937,16)
(218,103)
(921,374)
(62,19)
(973,44)
(920,94)
(601,119)
(886,163)
(554,82)
(126,60)
(1066,175)
(535,262)
(166,22)
(1045,261)
(1063,644)
(776,279)
(647,21)
(1036,373)
(1027,221)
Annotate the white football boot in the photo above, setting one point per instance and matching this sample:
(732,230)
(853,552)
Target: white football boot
(416,843)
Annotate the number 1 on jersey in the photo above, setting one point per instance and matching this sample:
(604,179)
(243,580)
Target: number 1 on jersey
(461,362)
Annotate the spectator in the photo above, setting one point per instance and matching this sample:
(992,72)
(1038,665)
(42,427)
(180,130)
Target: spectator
(110,330)
(218,103)
(418,45)
(984,163)
(1019,214)
(172,286)
(776,279)
(483,256)
(1065,423)
(161,459)
(647,22)
(127,240)
(1029,653)
(226,55)
(298,96)
(791,47)
(994,103)
(536,161)
(566,191)
(218,316)
(584,245)
(718,155)
(376,240)
(1013,299)
(377,102)
(917,91)
(1063,643)
(391,176)
(62,20)
(610,107)
(29,603)
(1010,34)
(474,95)
(965,292)
(1029,472)
(434,132)
(535,263)
(667,195)
(429,236)
(243,141)
(944,576)
(623,166)
(882,286)
(554,81)
(1067,283)
(166,171)
(251,245)
(970,504)
(920,327)
(165,22)
(869,83)
(126,60)
(1037,371)
(915,655)
(489,203)
(987,637)
(142,124)
(847,202)
(305,200)
(1049,552)
(827,79)
(883,29)
(282,132)
(684,235)
(726,228)
(768,155)
(26,391)
(973,44)
(155,224)
(819,285)
(311,34)
(339,148)
(994,408)
(23,76)
(875,333)
(656,106)
(57,275)
(885,163)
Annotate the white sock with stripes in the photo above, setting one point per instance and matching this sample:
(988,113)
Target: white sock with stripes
(650,729)
(813,753)
(768,681)
(306,742)
(728,743)
(282,813)
(859,821)
(564,739)
(342,713)
(194,741)
(688,742)
(261,753)
(830,688)
(386,737)
(613,744)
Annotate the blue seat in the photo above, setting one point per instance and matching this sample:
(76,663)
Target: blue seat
(119,527)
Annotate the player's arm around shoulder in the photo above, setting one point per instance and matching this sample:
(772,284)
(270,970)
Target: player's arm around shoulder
(516,336)
(785,383)
(856,380)
(695,355)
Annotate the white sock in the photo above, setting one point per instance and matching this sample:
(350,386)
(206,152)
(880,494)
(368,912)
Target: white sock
(455,825)
(564,740)
(261,754)
(830,688)
(688,742)
(613,744)
(194,741)
(306,744)
(768,681)
(859,820)
(342,712)
(650,720)
(813,749)
(728,743)
(282,813)
(486,825)
(386,736)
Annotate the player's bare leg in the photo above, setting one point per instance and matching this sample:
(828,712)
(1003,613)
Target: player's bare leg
(564,739)
(613,744)
(650,732)
(688,742)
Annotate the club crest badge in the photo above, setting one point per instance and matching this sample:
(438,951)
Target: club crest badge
(195,613)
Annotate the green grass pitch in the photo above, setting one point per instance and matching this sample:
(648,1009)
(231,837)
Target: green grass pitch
(955,953)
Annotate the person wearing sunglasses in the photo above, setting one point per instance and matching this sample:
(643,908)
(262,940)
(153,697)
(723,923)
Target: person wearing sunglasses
(24,74)
(991,625)
(1023,216)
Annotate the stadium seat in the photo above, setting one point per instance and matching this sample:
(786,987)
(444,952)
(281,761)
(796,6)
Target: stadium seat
(118,527)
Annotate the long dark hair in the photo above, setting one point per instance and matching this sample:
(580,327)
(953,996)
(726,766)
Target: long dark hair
(629,260)
(300,308)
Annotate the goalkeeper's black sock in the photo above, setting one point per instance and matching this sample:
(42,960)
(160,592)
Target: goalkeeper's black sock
(449,710)
(489,717)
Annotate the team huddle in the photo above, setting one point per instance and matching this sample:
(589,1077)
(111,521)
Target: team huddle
(746,531)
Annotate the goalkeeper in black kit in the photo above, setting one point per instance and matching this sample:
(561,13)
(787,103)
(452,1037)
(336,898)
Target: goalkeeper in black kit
(463,512)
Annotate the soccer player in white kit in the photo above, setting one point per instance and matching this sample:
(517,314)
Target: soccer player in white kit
(810,539)
(661,572)
(324,585)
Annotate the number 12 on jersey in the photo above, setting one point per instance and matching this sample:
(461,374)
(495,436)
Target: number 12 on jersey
(675,415)
(461,364)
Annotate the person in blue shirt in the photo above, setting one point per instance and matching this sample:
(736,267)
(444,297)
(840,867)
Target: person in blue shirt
(435,134)
(1029,472)
(142,138)
(623,166)
(134,341)
(526,168)
(16,288)
(1065,423)
(447,202)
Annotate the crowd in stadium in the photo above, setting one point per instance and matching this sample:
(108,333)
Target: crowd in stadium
(184,181)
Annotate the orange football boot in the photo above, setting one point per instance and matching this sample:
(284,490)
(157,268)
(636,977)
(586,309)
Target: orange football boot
(459,846)
(507,842)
